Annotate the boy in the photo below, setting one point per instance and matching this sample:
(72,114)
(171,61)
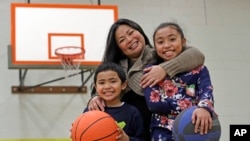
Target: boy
(109,82)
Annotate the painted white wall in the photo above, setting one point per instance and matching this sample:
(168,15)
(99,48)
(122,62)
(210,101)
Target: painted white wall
(219,28)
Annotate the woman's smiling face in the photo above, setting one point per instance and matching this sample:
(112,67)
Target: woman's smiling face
(130,41)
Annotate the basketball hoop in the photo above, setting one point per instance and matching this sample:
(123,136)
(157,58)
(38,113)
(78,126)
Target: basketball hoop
(70,57)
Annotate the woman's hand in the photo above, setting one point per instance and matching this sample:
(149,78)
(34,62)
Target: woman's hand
(122,135)
(96,103)
(202,120)
(152,76)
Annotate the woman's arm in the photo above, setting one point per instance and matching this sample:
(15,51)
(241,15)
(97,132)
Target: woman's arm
(189,59)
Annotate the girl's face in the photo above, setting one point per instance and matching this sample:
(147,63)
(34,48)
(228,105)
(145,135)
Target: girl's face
(109,86)
(130,41)
(168,43)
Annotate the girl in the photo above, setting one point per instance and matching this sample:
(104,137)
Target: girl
(179,92)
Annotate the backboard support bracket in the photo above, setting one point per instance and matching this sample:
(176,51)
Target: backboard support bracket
(48,89)
(39,88)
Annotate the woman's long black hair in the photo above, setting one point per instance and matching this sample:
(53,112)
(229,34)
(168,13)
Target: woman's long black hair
(112,51)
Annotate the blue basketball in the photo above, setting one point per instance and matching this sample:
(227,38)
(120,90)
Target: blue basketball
(183,129)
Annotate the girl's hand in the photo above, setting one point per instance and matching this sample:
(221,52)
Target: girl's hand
(96,103)
(202,120)
(152,76)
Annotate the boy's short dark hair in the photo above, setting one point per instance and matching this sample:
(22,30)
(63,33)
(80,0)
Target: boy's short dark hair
(112,67)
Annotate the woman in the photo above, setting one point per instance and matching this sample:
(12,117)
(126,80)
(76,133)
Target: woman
(128,46)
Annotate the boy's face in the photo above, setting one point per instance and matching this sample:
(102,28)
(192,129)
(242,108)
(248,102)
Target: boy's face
(109,86)
(168,43)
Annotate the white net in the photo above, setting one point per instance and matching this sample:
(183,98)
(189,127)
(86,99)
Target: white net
(70,57)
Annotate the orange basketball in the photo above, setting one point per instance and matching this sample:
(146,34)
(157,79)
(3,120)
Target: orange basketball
(94,125)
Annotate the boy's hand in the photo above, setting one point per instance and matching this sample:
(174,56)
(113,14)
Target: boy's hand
(122,135)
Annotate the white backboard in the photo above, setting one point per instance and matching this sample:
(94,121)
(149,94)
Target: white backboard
(38,29)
